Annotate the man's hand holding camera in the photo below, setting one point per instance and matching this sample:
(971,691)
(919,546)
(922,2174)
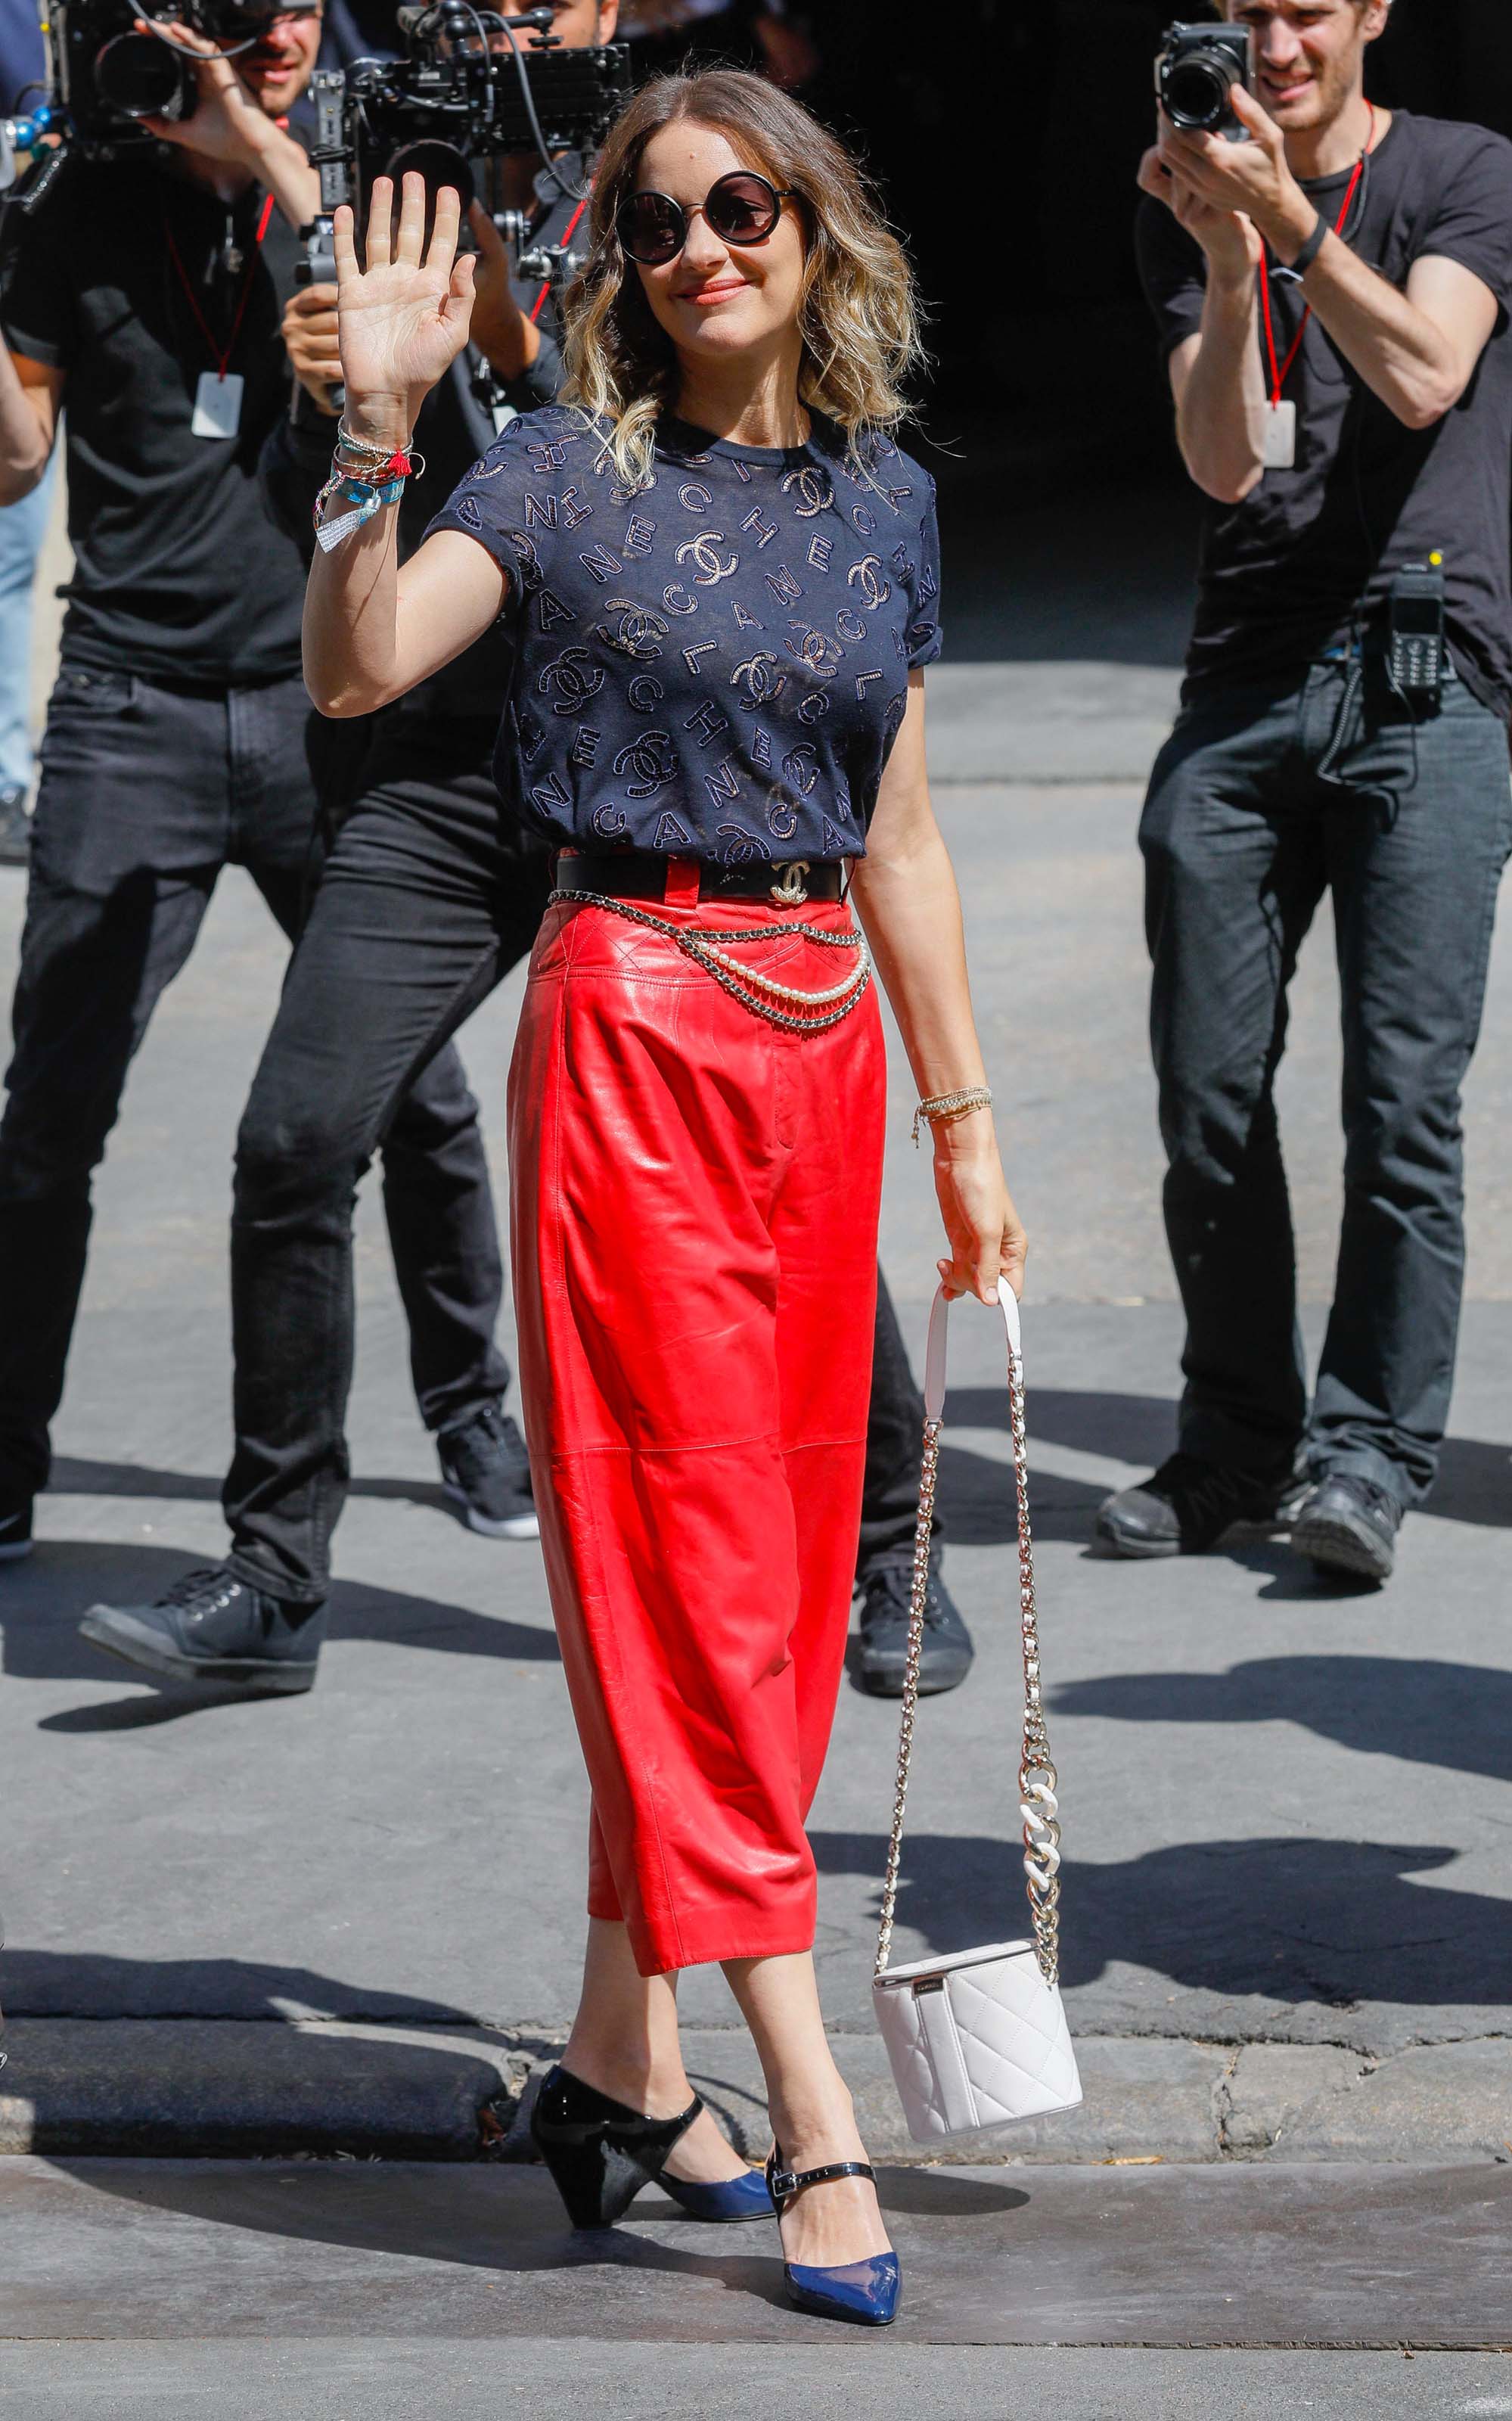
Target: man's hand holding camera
(230,126)
(1227,236)
(1230,196)
(501,330)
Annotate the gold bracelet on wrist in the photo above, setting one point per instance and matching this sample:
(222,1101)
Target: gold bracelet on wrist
(948,1106)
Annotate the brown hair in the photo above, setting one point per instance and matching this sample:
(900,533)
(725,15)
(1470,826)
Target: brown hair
(858,317)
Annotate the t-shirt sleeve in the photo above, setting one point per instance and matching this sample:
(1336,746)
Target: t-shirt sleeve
(1471,217)
(495,505)
(923,635)
(37,311)
(1172,273)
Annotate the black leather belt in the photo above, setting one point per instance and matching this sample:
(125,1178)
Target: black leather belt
(644,874)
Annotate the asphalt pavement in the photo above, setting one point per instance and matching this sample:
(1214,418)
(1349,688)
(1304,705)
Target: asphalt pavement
(283,1932)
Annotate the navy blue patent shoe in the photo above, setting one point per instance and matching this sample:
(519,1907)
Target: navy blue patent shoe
(864,2292)
(729,2198)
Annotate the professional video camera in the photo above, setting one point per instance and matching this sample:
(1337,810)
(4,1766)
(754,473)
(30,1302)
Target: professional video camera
(106,77)
(1196,74)
(466,92)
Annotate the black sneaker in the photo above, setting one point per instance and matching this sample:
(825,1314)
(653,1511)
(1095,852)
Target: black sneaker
(487,1472)
(211,1627)
(1348,1524)
(15,828)
(16,1533)
(946,1657)
(1189,1505)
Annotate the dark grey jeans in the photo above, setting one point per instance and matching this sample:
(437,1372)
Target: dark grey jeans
(1260,802)
(145,794)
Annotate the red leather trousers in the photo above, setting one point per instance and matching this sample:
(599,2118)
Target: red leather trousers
(694,1198)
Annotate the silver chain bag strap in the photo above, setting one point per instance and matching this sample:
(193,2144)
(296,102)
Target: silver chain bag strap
(979,2039)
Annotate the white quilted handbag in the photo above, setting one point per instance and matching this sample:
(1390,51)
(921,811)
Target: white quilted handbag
(979,2039)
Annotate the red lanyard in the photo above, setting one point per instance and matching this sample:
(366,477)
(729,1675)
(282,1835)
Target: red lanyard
(222,359)
(571,230)
(1279,375)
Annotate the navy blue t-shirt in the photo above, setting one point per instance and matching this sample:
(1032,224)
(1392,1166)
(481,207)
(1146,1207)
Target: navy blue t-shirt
(716,663)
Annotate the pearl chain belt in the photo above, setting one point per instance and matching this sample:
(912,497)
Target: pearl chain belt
(748,985)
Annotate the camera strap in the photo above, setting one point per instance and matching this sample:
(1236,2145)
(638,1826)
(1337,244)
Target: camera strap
(218,395)
(1281,426)
(567,233)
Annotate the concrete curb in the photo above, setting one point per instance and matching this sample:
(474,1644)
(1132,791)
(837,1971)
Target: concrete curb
(209,2087)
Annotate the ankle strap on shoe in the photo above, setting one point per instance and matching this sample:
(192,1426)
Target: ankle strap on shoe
(784,2184)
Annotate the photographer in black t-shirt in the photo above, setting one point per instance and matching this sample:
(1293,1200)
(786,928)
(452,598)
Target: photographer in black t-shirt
(143,295)
(1345,423)
(429,896)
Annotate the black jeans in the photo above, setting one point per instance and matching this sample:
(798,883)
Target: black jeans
(429,895)
(1260,802)
(145,794)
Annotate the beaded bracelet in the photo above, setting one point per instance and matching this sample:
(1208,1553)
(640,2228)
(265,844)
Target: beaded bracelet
(947,1106)
(367,488)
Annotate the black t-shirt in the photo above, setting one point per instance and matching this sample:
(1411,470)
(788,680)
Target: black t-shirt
(1281,573)
(715,662)
(178,573)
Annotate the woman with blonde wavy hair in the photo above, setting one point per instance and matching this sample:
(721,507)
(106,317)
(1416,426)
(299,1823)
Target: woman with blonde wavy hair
(718,575)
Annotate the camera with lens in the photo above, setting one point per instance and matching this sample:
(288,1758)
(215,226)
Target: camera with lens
(106,77)
(1196,74)
(468,91)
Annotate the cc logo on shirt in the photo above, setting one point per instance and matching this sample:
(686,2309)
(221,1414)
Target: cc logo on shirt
(700,550)
(573,687)
(868,577)
(652,760)
(760,680)
(638,631)
(815,491)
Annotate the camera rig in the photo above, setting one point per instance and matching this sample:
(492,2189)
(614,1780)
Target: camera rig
(466,92)
(105,78)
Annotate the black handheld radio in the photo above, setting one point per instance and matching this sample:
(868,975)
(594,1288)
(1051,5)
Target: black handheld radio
(1415,650)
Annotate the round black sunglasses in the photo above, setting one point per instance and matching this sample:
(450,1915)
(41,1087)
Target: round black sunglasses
(741,207)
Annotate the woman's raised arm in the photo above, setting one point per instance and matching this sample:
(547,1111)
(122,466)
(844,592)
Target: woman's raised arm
(372,630)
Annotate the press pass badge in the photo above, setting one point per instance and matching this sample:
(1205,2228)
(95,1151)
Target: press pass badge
(217,404)
(1280,436)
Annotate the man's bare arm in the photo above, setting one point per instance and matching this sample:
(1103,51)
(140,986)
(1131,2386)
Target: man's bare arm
(31,398)
(1216,377)
(1416,350)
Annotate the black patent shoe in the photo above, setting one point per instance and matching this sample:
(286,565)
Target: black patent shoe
(1191,1506)
(945,1657)
(1348,1524)
(600,2152)
(209,1627)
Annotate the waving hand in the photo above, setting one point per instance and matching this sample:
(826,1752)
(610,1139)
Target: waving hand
(404,318)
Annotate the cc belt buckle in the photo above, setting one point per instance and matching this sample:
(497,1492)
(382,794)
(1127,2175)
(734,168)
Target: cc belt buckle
(789,892)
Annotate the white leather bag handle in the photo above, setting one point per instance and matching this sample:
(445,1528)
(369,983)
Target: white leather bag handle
(1038,1803)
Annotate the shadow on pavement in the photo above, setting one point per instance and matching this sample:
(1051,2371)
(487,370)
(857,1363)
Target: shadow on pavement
(1453,1715)
(100,1984)
(1329,1921)
(1474,1481)
(42,1600)
(74,1477)
(493,2216)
